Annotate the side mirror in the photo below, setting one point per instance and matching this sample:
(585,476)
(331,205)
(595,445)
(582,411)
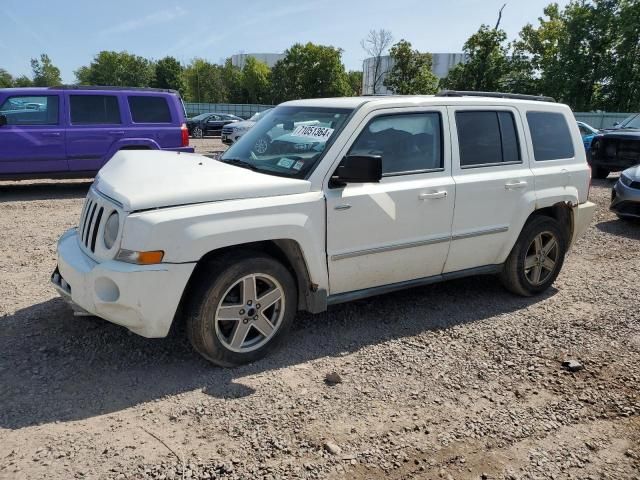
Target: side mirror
(359,169)
(3,120)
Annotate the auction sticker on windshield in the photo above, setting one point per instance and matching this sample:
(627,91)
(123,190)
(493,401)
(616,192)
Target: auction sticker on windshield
(321,133)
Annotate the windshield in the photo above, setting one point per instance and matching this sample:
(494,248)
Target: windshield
(287,141)
(202,116)
(259,115)
(631,122)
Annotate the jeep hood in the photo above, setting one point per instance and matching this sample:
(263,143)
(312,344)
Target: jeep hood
(144,179)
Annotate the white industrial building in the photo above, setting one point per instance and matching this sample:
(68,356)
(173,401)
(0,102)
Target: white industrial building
(442,64)
(239,59)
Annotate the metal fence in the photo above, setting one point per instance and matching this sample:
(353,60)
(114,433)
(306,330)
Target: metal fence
(238,109)
(600,119)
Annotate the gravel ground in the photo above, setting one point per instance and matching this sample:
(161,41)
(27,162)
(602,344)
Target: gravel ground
(457,380)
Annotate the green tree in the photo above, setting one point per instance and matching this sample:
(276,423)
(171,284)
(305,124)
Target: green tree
(355,82)
(22,81)
(6,80)
(45,73)
(204,82)
(168,74)
(232,80)
(120,69)
(411,72)
(487,64)
(256,81)
(309,71)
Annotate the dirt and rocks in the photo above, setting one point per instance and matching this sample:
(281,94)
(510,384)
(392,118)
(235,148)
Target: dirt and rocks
(458,380)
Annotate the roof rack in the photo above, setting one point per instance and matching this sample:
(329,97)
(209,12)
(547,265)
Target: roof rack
(515,96)
(96,87)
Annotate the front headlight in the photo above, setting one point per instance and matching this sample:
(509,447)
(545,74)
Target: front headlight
(111,230)
(625,180)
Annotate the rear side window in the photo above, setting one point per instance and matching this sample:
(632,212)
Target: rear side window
(31,110)
(149,109)
(487,138)
(550,136)
(94,109)
(407,142)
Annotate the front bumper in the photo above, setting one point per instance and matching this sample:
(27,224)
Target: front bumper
(625,201)
(142,298)
(582,216)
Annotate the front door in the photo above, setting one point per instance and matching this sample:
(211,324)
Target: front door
(494,185)
(399,229)
(33,140)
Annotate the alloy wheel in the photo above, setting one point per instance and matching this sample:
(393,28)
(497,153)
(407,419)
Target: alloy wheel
(541,258)
(197,132)
(250,313)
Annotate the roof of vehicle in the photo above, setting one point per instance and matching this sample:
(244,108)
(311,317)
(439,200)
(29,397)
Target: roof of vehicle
(391,100)
(92,87)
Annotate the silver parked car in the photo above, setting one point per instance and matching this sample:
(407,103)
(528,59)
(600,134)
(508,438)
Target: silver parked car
(625,196)
(232,132)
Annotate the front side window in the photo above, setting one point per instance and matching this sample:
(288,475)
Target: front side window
(406,142)
(31,110)
(145,109)
(94,109)
(288,141)
(487,138)
(550,136)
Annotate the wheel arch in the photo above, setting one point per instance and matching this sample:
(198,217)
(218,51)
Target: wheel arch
(311,298)
(562,212)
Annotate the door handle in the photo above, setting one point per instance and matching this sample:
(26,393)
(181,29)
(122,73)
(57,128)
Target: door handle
(117,132)
(344,206)
(432,195)
(51,134)
(515,185)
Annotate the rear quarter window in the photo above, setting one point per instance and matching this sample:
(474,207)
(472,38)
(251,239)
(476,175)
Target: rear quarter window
(145,109)
(550,136)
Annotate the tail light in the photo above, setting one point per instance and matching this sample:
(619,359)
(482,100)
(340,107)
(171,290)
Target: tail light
(590,180)
(185,135)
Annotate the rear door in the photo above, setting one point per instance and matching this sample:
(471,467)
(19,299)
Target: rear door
(33,141)
(95,125)
(494,185)
(153,120)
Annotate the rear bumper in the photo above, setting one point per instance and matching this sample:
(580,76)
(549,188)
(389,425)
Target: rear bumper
(180,149)
(142,298)
(582,216)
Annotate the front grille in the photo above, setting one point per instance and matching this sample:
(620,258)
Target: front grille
(227,130)
(628,208)
(95,213)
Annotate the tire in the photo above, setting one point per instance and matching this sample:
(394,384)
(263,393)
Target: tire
(527,271)
(197,132)
(258,329)
(599,172)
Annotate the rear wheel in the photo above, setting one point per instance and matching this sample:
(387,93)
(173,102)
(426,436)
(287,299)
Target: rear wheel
(537,257)
(241,309)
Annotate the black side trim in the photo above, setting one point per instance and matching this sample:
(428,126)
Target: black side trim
(370,292)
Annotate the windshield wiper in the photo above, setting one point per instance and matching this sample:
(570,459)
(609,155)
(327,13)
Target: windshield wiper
(240,163)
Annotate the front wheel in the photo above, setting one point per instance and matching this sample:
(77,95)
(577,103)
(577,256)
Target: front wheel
(241,309)
(599,172)
(198,133)
(536,259)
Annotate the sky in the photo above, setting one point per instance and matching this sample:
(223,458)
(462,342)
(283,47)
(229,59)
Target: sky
(71,32)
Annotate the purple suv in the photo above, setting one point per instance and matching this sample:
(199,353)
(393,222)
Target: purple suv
(73,131)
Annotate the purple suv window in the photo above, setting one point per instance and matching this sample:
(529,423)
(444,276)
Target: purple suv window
(146,109)
(31,110)
(94,109)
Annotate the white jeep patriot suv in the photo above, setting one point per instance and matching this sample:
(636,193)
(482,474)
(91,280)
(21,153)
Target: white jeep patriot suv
(353,197)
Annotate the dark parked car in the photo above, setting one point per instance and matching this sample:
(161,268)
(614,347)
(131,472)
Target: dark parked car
(74,131)
(209,123)
(617,148)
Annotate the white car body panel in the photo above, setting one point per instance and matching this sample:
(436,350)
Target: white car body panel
(188,205)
